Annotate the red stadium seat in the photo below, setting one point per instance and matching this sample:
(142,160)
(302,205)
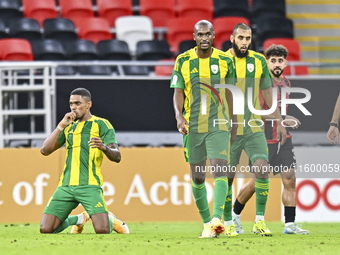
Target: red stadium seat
(94,29)
(15,50)
(112,9)
(159,11)
(40,10)
(76,9)
(164,70)
(293,48)
(180,29)
(224,26)
(202,9)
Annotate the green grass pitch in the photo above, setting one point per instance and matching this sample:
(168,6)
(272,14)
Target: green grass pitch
(168,238)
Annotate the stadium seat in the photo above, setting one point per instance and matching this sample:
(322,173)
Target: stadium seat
(202,9)
(76,9)
(268,8)
(48,49)
(224,26)
(25,28)
(9,10)
(40,10)
(82,50)
(94,70)
(226,45)
(13,49)
(113,50)
(186,45)
(164,70)
(231,8)
(133,29)
(159,11)
(274,28)
(180,29)
(153,50)
(60,29)
(136,70)
(112,9)
(94,29)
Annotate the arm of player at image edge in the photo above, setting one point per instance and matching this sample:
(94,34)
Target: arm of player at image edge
(111,150)
(333,131)
(178,101)
(51,143)
(281,131)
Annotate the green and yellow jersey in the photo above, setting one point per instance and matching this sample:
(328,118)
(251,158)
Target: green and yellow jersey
(251,72)
(82,166)
(204,104)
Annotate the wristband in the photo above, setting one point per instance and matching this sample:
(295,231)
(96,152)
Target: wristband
(60,128)
(333,124)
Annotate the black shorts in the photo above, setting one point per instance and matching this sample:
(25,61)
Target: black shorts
(281,157)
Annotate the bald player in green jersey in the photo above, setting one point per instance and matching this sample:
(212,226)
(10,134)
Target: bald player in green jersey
(205,120)
(87,138)
(251,72)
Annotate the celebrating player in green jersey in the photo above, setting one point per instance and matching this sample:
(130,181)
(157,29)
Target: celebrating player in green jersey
(205,121)
(252,73)
(88,138)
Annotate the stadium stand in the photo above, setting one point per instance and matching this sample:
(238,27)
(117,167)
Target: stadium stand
(111,10)
(133,29)
(82,50)
(113,50)
(180,29)
(94,70)
(94,29)
(25,28)
(136,70)
(224,28)
(159,11)
(40,10)
(10,10)
(231,8)
(60,29)
(13,49)
(153,50)
(201,9)
(48,49)
(3,30)
(76,9)
(268,9)
(186,45)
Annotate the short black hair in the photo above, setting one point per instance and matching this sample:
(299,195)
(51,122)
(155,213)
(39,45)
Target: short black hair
(276,50)
(242,26)
(81,92)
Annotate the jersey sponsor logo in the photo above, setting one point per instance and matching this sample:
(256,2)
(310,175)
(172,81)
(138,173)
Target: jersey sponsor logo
(194,70)
(174,79)
(99,205)
(214,68)
(250,67)
(224,153)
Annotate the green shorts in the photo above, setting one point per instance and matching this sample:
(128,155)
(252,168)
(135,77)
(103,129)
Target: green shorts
(255,146)
(215,144)
(66,198)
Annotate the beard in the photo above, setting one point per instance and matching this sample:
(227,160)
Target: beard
(238,52)
(277,75)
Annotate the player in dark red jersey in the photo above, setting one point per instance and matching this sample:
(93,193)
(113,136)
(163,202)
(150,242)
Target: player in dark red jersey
(281,157)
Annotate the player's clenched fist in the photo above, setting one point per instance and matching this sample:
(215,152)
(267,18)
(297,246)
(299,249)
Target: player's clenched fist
(96,142)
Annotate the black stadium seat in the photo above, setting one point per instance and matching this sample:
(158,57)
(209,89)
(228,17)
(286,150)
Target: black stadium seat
(94,70)
(268,8)
(82,50)
(10,10)
(60,29)
(238,8)
(48,49)
(153,50)
(186,45)
(113,50)
(25,28)
(3,32)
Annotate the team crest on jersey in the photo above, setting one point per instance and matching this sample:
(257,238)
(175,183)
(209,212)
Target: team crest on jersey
(214,69)
(250,67)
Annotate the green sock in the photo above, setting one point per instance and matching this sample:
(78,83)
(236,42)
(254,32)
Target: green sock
(200,194)
(111,223)
(71,220)
(220,194)
(228,205)
(261,190)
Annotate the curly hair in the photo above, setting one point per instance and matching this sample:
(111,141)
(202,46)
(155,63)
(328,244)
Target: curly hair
(276,50)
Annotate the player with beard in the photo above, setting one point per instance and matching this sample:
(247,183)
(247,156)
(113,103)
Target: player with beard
(252,73)
(281,158)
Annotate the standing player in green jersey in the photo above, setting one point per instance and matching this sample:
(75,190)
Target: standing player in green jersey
(281,158)
(333,131)
(251,72)
(87,139)
(205,120)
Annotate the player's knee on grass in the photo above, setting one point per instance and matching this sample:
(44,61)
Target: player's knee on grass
(101,223)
